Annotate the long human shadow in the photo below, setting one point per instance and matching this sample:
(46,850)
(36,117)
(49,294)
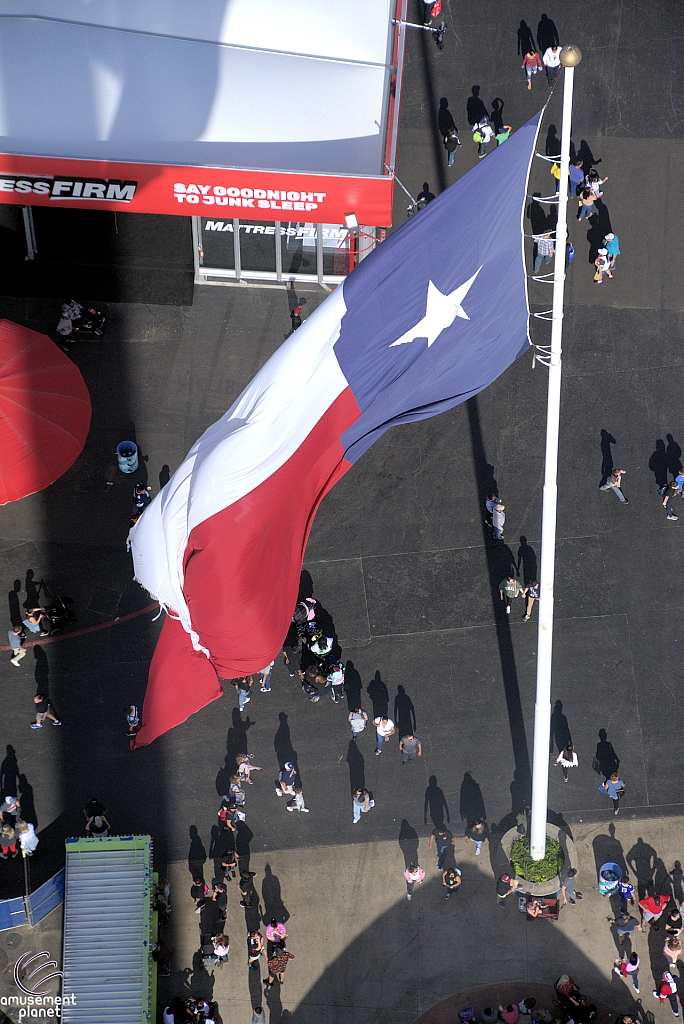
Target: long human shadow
(408,843)
(236,743)
(673,454)
(526,562)
(28,806)
(404,713)
(272,896)
(357,767)
(641,860)
(282,743)
(435,803)
(607,440)
(353,686)
(425,42)
(560,730)
(379,695)
(605,758)
(521,790)
(599,227)
(197,855)
(9,773)
(471,801)
(16,618)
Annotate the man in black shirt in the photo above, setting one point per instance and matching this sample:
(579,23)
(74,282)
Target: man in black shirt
(94,808)
(443,840)
(504,887)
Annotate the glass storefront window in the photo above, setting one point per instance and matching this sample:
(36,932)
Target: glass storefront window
(257,246)
(217,243)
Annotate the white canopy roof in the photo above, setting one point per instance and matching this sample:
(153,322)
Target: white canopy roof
(297,85)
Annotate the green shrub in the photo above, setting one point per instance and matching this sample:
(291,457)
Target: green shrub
(536,870)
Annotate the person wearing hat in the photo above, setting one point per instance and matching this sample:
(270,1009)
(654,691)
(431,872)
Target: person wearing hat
(504,887)
(98,826)
(286,780)
(295,317)
(612,247)
(602,264)
(10,809)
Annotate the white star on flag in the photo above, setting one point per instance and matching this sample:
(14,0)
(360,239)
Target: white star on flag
(440,312)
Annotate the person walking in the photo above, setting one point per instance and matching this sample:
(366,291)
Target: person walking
(8,841)
(531,65)
(509,589)
(477,831)
(361,803)
(443,839)
(505,886)
(221,944)
(552,64)
(451,143)
(28,839)
(296,317)
(613,482)
(491,502)
(671,489)
(546,248)
(258,1015)
(612,246)
(587,202)
(576,177)
(531,594)
(277,966)
(243,686)
(628,967)
(498,521)
(625,925)
(265,678)
(98,827)
(410,747)
(602,264)
(43,709)
(384,727)
(674,923)
(16,642)
(503,134)
(568,889)
(357,720)
(255,950)
(483,133)
(132,720)
(653,907)
(567,759)
(615,788)
(594,182)
(451,880)
(667,989)
(413,873)
(625,892)
(286,780)
(297,801)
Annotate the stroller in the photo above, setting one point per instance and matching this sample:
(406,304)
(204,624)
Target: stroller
(60,614)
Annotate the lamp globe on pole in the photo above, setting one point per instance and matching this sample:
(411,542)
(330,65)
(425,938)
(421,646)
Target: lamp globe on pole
(570,56)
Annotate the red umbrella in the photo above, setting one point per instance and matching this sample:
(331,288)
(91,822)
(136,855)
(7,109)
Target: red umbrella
(44,412)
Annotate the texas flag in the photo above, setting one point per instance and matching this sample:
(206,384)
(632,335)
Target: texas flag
(426,321)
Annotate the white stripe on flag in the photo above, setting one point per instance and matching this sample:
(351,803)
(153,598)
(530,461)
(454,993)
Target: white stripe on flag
(258,434)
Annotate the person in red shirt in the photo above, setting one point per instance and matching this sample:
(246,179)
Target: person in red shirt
(653,907)
(668,990)
(531,64)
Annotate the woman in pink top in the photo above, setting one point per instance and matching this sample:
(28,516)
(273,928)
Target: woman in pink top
(531,64)
(414,873)
(276,931)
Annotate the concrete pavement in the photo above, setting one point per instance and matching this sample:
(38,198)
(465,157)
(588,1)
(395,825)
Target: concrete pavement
(364,954)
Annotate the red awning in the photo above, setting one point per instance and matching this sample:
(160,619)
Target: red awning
(44,412)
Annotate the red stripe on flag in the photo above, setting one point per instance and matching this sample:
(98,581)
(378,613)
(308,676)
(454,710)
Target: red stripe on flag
(242,569)
(181,681)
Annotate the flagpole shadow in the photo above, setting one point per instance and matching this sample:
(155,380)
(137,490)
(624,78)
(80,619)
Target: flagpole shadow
(500,563)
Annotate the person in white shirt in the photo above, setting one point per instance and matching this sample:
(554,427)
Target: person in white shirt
(551,61)
(384,727)
(357,720)
(567,759)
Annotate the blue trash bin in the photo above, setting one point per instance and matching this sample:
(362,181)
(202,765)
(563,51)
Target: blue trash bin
(127,454)
(609,876)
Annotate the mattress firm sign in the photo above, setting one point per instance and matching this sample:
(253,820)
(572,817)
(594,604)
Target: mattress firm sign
(146,188)
(332,234)
(69,188)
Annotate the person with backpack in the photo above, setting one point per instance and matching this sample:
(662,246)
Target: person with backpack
(612,246)
(451,143)
(602,264)
(483,133)
(296,318)
(531,65)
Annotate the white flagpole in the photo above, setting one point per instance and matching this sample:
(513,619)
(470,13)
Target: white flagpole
(570,57)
